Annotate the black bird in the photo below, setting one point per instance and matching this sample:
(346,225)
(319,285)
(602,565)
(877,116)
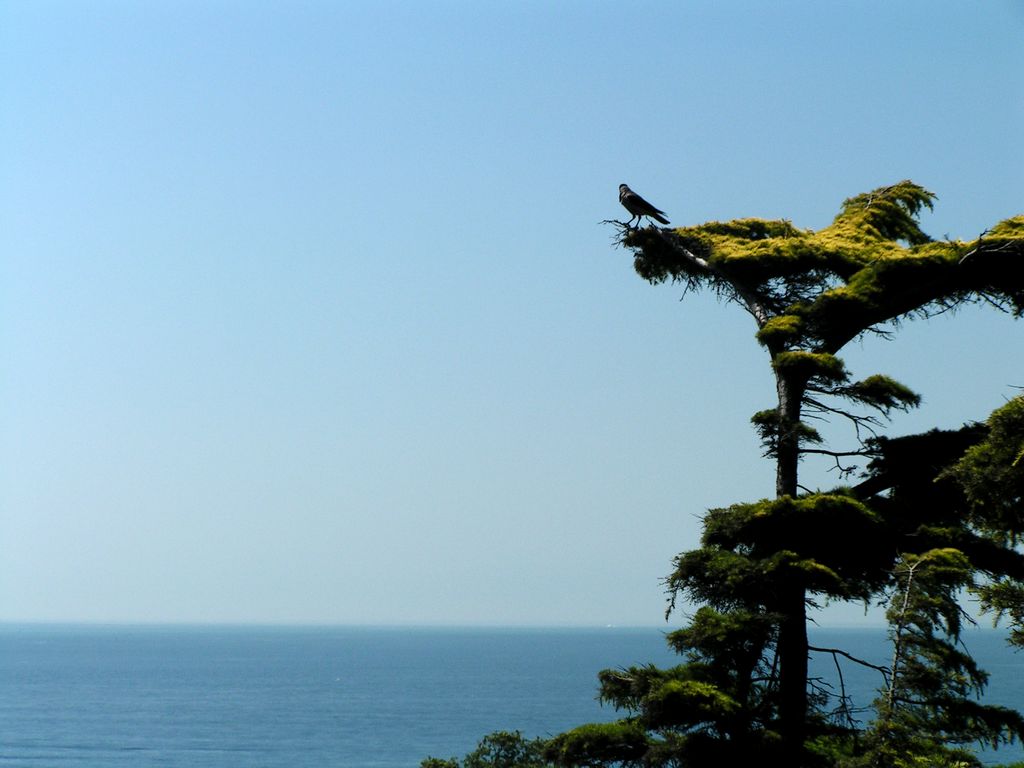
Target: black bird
(639,207)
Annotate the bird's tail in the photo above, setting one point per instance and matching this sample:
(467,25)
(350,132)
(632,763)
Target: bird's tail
(662,219)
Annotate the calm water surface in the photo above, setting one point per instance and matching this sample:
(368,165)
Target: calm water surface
(346,697)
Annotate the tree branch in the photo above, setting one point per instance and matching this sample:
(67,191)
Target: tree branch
(844,471)
(835,454)
(868,423)
(747,298)
(854,659)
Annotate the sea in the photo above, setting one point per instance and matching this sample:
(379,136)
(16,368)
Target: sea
(346,697)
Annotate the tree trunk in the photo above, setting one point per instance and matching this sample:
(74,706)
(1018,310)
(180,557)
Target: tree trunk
(793,674)
(787,456)
(793,646)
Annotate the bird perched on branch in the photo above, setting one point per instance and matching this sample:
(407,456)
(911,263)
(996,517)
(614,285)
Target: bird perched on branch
(639,207)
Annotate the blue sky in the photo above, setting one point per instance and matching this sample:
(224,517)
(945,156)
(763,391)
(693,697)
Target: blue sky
(307,314)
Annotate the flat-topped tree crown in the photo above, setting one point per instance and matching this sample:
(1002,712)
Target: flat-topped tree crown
(817,290)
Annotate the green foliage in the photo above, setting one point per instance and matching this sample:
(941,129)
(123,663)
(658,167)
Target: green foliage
(753,229)
(726,580)
(768,424)
(810,366)
(889,213)
(1004,597)
(883,394)
(623,742)
(683,698)
(992,474)
(831,540)
(502,749)
(687,703)
(873,265)
(713,637)
(782,331)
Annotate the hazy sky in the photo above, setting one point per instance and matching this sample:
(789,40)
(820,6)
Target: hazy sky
(306,312)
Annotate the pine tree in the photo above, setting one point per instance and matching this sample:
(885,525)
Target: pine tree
(928,709)
(743,691)
(935,513)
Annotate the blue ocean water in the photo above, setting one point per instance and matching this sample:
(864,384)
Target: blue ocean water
(345,697)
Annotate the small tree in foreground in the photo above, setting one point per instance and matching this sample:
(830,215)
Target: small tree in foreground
(502,749)
(927,710)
